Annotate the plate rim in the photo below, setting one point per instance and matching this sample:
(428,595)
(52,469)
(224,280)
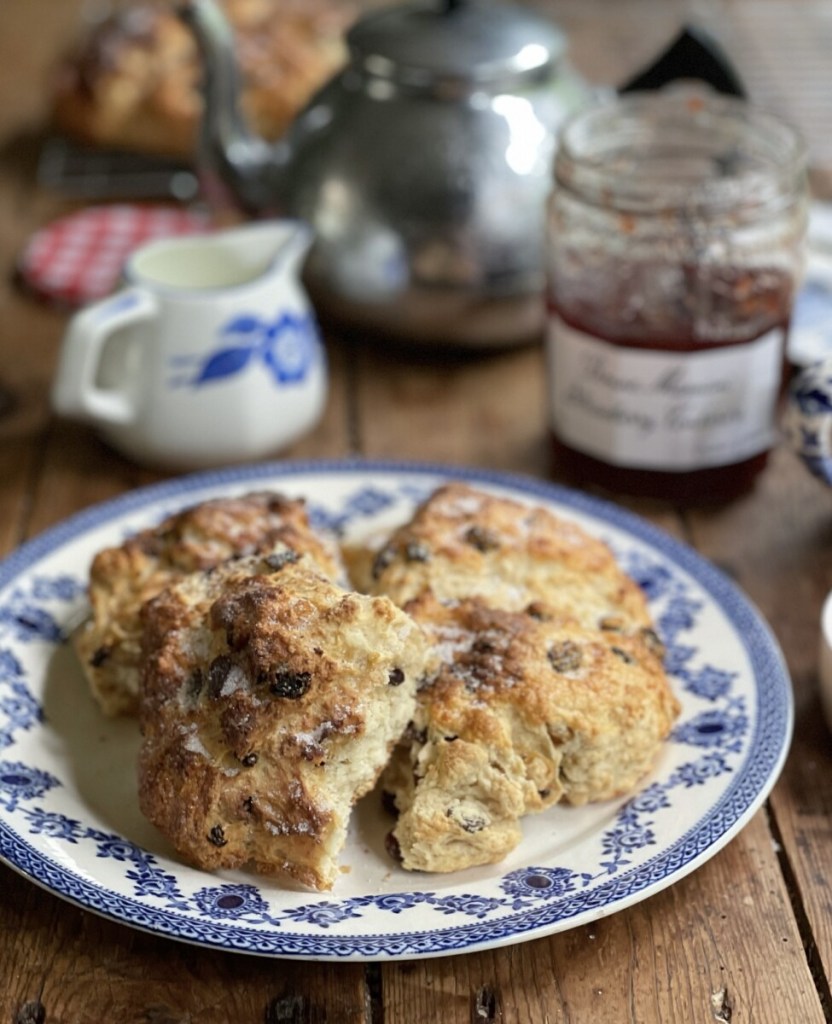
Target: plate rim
(719,587)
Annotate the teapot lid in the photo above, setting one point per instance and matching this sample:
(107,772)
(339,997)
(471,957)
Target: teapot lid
(454,39)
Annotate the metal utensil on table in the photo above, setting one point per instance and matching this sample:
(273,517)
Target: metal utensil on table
(83,172)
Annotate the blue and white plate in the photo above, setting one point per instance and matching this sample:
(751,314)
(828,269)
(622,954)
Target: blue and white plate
(69,818)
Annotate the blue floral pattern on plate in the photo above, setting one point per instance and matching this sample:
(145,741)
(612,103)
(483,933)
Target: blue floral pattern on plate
(574,865)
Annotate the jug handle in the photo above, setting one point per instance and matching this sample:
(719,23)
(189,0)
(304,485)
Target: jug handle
(75,392)
(693,54)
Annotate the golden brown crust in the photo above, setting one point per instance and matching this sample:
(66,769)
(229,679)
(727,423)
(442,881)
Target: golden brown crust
(271,700)
(517,714)
(545,680)
(463,542)
(134,81)
(122,578)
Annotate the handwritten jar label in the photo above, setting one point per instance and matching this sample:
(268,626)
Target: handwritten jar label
(663,410)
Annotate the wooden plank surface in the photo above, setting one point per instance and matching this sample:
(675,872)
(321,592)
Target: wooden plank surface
(789,581)
(78,968)
(674,957)
(745,938)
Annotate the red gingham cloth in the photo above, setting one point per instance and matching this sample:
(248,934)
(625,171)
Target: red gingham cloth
(79,258)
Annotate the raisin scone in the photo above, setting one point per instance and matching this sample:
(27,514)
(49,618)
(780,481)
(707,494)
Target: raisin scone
(271,701)
(122,578)
(133,80)
(517,712)
(462,542)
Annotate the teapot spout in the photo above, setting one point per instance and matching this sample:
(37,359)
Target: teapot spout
(228,149)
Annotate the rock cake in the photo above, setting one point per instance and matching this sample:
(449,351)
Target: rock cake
(271,701)
(132,80)
(123,577)
(516,713)
(545,681)
(463,542)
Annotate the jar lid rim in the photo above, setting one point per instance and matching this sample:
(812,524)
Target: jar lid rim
(639,151)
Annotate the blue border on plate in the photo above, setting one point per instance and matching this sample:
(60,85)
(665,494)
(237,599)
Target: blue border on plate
(752,782)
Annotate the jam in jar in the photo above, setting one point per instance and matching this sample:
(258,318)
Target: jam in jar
(675,240)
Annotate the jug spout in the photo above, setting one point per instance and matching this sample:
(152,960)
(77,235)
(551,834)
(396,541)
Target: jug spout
(228,148)
(277,244)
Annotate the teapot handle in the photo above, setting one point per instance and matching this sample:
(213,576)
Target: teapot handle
(693,54)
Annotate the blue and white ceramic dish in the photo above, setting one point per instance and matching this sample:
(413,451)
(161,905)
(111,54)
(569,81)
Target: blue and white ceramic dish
(68,811)
(807,418)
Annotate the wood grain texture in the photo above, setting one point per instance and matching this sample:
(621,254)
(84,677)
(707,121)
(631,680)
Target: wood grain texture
(788,580)
(82,969)
(673,957)
(478,410)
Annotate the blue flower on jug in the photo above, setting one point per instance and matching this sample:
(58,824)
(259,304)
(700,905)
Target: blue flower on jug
(285,347)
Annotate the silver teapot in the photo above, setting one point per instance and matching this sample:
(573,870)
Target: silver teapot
(423,167)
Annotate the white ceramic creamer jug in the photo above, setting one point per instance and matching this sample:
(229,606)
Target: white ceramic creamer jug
(209,355)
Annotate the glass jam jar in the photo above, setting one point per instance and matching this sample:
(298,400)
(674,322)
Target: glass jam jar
(676,230)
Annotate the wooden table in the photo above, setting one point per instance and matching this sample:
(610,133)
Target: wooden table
(745,938)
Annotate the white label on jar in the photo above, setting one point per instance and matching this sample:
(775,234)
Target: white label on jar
(648,409)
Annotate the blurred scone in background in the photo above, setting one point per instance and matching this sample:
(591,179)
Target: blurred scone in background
(131,79)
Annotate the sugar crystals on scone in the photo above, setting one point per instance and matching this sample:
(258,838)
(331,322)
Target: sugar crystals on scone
(463,542)
(546,680)
(271,700)
(123,577)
